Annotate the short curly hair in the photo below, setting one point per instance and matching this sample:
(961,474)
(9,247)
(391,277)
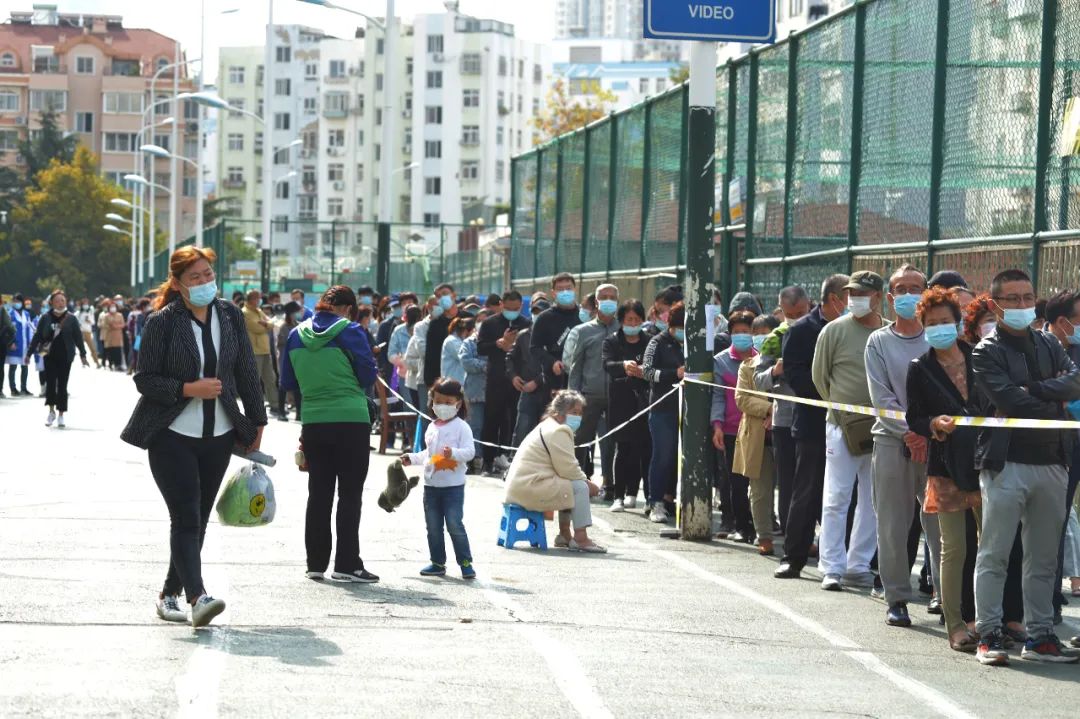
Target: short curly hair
(938,297)
(974,316)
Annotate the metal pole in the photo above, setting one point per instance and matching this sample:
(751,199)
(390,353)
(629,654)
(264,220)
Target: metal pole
(538,213)
(937,132)
(142,235)
(586,200)
(1043,139)
(560,198)
(789,152)
(134,231)
(174,149)
(389,117)
(333,251)
(730,272)
(646,182)
(695,511)
(200,113)
(855,172)
(613,178)
(268,136)
(680,245)
(751,172)
(1066,162)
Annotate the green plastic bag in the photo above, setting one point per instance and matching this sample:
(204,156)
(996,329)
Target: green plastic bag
(248,498)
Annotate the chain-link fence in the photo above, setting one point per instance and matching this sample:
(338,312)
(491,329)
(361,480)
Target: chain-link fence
(894,131)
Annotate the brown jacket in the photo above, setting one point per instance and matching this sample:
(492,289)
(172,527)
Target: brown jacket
(539,478)
(258,333)
(113,325)
(750,442)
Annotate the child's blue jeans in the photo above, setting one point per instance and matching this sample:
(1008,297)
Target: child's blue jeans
(446,504)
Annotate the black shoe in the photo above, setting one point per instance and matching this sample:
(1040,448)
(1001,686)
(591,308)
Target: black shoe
(1057,617)
(924,585)
(934,607)
(669,507)
(362,576)
(787,570)
(897,616)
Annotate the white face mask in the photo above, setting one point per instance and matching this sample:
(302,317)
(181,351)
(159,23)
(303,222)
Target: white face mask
(445,411)
(859,306)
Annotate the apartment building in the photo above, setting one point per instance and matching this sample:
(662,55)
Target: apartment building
(615,19)
(588,65)
(99,77)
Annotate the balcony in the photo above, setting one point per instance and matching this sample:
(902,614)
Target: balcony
(335,79)
(335,112)
(234,184)
(49,67)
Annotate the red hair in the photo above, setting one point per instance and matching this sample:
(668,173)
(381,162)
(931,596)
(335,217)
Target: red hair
(973,314)
(179,263)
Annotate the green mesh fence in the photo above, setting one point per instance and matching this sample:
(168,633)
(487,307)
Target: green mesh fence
(549,183)
(573,201)
(599,175)
(523,249)
(1063,173)
(664,181)
(629,190)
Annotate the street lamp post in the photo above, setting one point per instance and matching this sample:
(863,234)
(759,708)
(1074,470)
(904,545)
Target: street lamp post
(119,202)
(142,182)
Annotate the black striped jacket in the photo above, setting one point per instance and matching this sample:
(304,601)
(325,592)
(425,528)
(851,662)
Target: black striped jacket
(169,358)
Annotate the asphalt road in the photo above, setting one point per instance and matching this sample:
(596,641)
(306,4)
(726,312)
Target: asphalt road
(656,627)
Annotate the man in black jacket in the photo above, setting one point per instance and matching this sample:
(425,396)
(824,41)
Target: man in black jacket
(807,428)
(1026,374)
(521,371)
(438,328)
(495,338)
(550,328)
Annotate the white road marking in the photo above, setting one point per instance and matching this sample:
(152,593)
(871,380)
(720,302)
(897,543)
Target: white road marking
(934,699)
(565,668)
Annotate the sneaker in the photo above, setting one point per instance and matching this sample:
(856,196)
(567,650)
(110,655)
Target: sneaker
(934,607)
(433,570)
(1075,642)
(991,651)
(831,583)
(205,609)
(168,608)
(629,503)
(361,576)
(316,576)
(1049,649)
(51,418)
(897,616)
(502,463)
(467,570)
(60,421)
(878,593)
(617,506)
(658,514)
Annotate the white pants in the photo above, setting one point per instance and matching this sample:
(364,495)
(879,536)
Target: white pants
(842,470)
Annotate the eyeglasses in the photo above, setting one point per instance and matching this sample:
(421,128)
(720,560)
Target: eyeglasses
(1026,300)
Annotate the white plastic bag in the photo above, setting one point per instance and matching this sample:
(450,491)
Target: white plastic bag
(248,498)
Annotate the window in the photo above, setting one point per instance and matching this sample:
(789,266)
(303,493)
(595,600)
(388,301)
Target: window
(283,87)
(519,99)
(258,141)
(337,68)
(311,71)
(360,172)
(406,208)
(643,85)
(432,148)
(360,138)
(378,115)
(378,81)
(470,134)
(234,175)
(795,8)
(360,208)
(52,99)
(310,104)
(379,46)
(236,74)
(281,223)
(661,84)
(434,79)
(431,219)
(335,207)
(115,178)
(378,156)
(335,172)
(519,139)
(499,135)
(281,121)
(502,65)
(308,178)
(283,53)
(408,103)
(408,65)
(281,191)
(307,203)
(236,141)
(259,74)
(191,110)
(238,103)
(84,66)
(521,69)
(433,114)
(336,138)
(432,185)
(119,142)
(44,58)
(189,186)
(470,98)
(336,103)
(471,64)
(538,74)
(435,43)
(470,170)
(9,140)
(501,101)
(190,147)
(360,105)
(500,170)
(162,141)
(536,106)
(162,63)
(9,101)
(260,105)
(7,59)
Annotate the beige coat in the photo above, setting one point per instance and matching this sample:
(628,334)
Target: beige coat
(750,442)
(113,330)
(538,478)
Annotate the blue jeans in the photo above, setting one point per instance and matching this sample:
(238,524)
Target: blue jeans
(664,428)
(446,504)
(530,406)
(476,422)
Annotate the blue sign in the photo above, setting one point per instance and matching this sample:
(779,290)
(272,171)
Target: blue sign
(711,20)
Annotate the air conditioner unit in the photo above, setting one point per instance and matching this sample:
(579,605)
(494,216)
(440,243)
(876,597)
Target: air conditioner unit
(406,113)
(354,70)
(437,57)
(406,149)
(339,185)
(20,120)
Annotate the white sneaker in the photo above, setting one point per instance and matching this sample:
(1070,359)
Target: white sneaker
(168,608)
(317,576)
(205,609)
(658,514)
(60,421)
(617,506)
(51,418)
(629,502)
(502,463)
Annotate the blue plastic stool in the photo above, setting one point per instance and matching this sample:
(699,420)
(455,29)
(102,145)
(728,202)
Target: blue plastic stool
(509,534)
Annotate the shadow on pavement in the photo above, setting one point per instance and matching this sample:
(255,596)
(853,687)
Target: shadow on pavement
(290,645)
(385,594)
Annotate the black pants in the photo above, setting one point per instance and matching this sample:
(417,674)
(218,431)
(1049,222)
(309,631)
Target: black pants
(337,454)
(188,472)
(631,465)
(114,357)
(595,410)
(11,377)
(500,415)
(735,493)
(784,460)
(57,371)
(805,510)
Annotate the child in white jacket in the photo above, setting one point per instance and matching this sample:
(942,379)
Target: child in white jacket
(448,449)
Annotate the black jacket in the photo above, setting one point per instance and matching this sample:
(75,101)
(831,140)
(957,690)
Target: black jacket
(930,394)
(491,331)
(1001,371)
(519,361)
(382,337)
(626,395)
(67,341)
(548,335)
(798,353)
(436,335)
(663,358)
(169,358)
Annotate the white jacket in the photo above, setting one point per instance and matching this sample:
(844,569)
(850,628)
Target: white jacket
(414,354)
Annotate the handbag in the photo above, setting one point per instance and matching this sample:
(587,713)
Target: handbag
(856,429)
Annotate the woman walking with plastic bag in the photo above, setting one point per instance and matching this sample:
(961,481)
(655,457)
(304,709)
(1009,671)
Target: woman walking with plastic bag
(195,362)
(57,337)
(329,361)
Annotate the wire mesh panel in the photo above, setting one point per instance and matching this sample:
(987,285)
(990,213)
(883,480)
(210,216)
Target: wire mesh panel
(894,194)
(810,274)
(522,253)
(979,265)
(549,185)
(630,162)
(992,95)
(1063,174)
(1060,267)
(771,151)
(600,197)
(665,162)
(573,203)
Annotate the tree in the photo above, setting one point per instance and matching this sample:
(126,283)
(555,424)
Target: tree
(56,234)
(563,114)
(49,144)
(679,75)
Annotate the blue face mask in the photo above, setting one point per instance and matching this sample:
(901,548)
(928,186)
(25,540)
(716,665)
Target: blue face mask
(742,341)
(905,305)
(398,313)
(631,330)
(573,421)
(583,315)
(511,315)
(202,295)
(1019,319)
(436,311)
(565,297)
(680,335)
(941,337)
(298,316)
(759,341)
(608,307)
(660,325)
(365,299)
(446,301)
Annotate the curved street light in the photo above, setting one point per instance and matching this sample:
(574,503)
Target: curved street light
(114,228)
(119,202)
(117,218)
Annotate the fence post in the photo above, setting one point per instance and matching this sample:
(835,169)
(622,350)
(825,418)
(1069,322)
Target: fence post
(858,75)
(514,199)
(538,213)
(333,251)
(684,162)
(751,169)
(646,184)
(1066,161)
(937,133)
(1042,140)
(789,154)
(442,253)
(613,177)
(586,202)
(731,254)
(560,197)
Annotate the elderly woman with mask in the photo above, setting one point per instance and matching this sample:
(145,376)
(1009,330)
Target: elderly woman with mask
(545,475)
